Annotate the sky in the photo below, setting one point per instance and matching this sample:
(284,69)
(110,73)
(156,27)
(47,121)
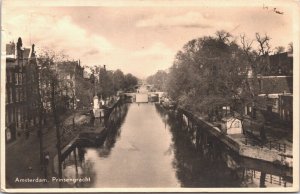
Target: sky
(137,39)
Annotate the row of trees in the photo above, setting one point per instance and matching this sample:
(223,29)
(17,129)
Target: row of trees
(158,80)
(108,83)
(215,71)
(55,87)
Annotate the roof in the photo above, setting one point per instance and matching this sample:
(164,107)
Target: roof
(276,84)
(270,95)
(26,52)
(11,51)
(281,63)
(229,118)
(11,48)
(11,63)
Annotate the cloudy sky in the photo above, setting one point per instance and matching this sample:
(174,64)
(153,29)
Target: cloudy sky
(137,39)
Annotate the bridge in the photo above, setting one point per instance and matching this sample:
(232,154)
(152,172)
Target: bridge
(142,94)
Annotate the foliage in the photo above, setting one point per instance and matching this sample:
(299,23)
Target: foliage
(130,81)
(215,71)
(208,72)
(49,78)
(158,80)
(112,81)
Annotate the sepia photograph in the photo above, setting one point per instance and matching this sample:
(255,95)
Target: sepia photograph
(149,96)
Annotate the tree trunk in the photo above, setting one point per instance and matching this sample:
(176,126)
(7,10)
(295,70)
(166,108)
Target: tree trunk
(40,105)
(56,121)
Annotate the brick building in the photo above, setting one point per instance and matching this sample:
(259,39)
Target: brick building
(275,89)
(70,73)
(18,110)
(281,64)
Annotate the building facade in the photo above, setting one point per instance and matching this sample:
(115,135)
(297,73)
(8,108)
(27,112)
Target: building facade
(275,90)
(70,74)
(17,83)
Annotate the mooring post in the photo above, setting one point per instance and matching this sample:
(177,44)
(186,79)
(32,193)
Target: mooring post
(262,182)
(280,180)
(75,158)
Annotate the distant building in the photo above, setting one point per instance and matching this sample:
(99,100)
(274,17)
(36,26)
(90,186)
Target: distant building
(275,98)
(87,73)
(275,89)
(70,72)
(281,64)
(286,107)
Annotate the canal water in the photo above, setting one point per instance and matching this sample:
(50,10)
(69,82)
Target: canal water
(148,147)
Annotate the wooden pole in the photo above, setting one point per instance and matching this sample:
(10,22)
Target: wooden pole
(76,166)
(56,121)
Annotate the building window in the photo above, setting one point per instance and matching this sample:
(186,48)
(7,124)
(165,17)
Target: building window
(260,85)
(12,113)
(7,77)
(7,97)
(10,95)
(254,113)
(20,78)
(7,116)
(17,78)
(21,94)
(17,94)
(19,117)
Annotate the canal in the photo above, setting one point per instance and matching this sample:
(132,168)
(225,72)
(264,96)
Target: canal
(148,147)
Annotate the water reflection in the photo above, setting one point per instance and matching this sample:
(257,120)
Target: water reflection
(80,163)
(203,161)
(146,146)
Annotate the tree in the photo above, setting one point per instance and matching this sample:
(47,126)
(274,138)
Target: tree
(208,73)
(34,95)
(118,80)
(279,49)
(130,81)
(51,89)
(112,81)
(158,80)
(259,63)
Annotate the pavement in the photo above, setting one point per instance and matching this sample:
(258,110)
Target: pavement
(22,156)
(280,137)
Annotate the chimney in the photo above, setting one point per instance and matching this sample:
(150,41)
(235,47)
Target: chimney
(32,51)
(11,49)
(19,48)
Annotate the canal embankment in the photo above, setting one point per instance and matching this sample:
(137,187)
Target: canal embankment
(90,134)
(241,143)
(173,155)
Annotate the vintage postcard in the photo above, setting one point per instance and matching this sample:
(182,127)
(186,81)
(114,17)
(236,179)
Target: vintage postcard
(149,96)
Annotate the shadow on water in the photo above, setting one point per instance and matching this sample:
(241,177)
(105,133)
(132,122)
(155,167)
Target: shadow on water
(77,164)
(203,161)
(196,159)
(113,125)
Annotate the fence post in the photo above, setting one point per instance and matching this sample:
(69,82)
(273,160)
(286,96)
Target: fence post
(279,180)
(284,148)
(270,145)
(279,147)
